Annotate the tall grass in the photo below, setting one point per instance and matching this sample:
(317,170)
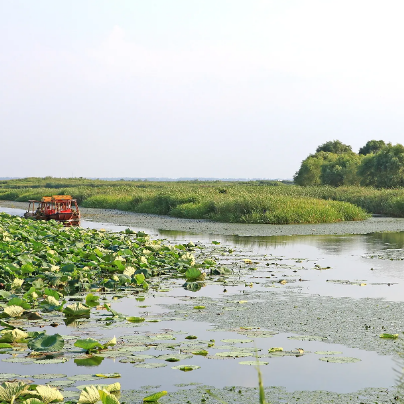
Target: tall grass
(245,202)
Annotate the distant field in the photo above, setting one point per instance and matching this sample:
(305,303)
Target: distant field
(242,202)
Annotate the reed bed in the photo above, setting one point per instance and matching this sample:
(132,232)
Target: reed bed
(242,202)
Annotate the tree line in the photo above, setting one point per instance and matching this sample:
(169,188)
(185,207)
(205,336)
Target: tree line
(377,164)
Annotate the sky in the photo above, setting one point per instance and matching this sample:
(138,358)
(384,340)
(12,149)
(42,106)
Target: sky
(194,88)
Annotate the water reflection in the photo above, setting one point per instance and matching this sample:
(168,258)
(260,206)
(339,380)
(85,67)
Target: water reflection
(348,257)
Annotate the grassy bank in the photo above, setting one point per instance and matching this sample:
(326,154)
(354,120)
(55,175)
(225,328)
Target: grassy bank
(248,202)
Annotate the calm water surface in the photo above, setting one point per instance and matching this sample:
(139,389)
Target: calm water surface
(370,266)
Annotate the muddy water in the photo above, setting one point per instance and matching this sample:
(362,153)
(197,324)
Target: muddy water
(336,268)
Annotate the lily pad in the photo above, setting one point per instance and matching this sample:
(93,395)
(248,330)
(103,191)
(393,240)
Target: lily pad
(47,343)
(174,357)
(328,352)
(186,368)
(339,359)
(233,354)
(389,336)
(90,361)
(154,397)
(150,365)
(237,341)
(49,376)
(253,363)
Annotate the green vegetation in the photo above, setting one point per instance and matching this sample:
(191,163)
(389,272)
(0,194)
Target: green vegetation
(377,164)
(44,267)
(242,202)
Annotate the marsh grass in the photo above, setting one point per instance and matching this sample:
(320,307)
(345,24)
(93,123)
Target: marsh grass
(241,202)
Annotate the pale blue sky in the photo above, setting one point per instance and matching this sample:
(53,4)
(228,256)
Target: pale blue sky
(194,88)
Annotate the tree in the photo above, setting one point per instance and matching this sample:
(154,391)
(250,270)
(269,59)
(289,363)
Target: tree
(334,146)
(384,169)
(310,169)
(372,146)
(341,171)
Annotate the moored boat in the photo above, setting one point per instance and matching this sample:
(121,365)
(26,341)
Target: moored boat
(62,208)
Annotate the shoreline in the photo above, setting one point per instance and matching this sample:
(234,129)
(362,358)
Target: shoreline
(197,226)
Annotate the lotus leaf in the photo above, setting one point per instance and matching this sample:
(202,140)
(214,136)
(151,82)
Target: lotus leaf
(49,394)
(17,301)
(49,376)
(88,344)
(15,335)
(51,361)
(17,283)
(328,352)
(14,311)
(194,274)
(9,391)
(47,343)
(51,292)
(388,336)
(187,368)
(89,395)
(33,401)
(110,388)
(253,363)
(76,310)
(107,398)
(154,397)
(108,375)
(52,301)
(135,319)
(339,359)
(174,357)
(233,354)
(236,341)
(150,365)
(201,352)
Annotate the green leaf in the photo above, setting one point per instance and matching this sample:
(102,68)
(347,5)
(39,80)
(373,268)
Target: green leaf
(201,352)
(17,301)
(88,344)
(89,395)
(14,311)
(15,335)
(88,362)
(92,300)
(108,375)
(107,398)
(51,292)
(49,394)
(390,336)
(33,401)
(9,391)
(135,319)
(193,274)
(154,397)
(47,343)
(339,359)
(140,278)
(275,349)
(187,368)
(76,310)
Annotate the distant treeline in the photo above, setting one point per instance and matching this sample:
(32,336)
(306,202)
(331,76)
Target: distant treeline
(334,163)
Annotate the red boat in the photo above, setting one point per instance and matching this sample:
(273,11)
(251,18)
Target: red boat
(61,208)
